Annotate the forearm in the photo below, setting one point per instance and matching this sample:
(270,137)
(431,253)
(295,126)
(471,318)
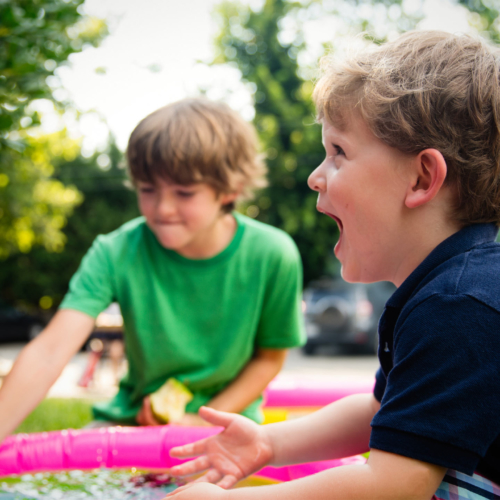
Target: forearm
(339,430)
(38,366)
(251,381)
(328,485)
(392,477)
(31,377)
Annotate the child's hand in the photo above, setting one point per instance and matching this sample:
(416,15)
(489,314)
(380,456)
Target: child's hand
(241,449)
(145,415)
(195,491)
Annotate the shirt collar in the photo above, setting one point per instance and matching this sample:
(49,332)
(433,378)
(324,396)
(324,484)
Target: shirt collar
(460,242)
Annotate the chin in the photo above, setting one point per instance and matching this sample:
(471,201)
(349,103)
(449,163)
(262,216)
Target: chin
(169,243)
(351,276)
(349,279)
(361,278)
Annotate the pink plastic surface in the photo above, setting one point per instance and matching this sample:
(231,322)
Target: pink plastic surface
(291,392)
(149,447)
(122,447)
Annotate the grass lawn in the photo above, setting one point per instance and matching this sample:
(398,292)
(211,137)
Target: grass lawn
(54,414)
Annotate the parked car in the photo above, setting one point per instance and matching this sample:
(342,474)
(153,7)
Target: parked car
(338,313)
(17,325)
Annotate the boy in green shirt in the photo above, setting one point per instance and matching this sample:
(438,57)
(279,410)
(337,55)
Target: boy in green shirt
(208,296)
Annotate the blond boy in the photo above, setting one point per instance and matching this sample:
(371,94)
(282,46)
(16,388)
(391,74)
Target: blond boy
(412,177)
(208,296)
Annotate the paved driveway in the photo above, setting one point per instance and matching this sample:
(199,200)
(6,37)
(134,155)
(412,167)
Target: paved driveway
(325,366)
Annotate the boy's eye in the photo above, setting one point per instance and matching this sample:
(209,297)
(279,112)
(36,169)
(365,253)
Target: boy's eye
(185,194)
(147,189)
(338,150)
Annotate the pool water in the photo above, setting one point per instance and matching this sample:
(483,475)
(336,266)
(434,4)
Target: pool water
(100,484)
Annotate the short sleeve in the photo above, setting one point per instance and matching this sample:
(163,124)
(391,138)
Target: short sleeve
(440,403)
(281,324)
(91,287)
(380,385)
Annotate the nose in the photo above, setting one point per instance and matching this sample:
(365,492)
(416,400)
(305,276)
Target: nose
(316,180)
(165,206)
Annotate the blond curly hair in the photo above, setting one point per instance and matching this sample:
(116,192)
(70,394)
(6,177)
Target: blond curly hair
(428,89)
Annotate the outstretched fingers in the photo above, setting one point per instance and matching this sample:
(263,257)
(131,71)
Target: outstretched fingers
(190,450)
(193,467)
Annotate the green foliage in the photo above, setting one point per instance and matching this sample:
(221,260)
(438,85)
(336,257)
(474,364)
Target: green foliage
(36,36)
(54,414)
(35,206)
(107,203)
(253,41)
(485,17)
(285,116)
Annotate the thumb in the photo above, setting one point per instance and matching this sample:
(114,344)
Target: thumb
(215,417)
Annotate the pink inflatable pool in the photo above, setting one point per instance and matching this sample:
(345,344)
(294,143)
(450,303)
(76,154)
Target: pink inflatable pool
(290,392)
(149,447)
(122,447)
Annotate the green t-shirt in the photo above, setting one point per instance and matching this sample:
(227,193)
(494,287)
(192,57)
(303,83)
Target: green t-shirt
(196,320)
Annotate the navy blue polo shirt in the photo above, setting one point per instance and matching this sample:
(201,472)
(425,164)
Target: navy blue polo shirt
(439,380)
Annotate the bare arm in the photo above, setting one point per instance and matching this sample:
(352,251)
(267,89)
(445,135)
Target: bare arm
(42,360)
(242,391)
(385,477)
(251,381)
(341,429)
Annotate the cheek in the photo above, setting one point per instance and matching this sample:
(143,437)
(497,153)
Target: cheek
(191,210)
(337,191)
(201,207)
(145,205)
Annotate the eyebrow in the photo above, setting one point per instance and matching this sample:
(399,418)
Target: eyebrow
(337,135)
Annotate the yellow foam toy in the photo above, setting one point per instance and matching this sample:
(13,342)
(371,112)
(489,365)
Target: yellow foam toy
(169,401)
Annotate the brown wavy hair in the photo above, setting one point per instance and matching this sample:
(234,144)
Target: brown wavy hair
(197,140)
(428,89)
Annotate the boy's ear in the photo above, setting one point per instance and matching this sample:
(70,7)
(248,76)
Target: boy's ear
(427,178)
(226,198)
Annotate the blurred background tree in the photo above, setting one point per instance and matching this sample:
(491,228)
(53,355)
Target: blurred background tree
(51,197)
(484,17)
(267,46)
(36,36)
(54,200)
(40,277)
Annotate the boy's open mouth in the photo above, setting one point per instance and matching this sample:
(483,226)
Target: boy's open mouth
(336,219)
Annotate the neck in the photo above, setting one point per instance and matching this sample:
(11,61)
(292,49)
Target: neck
(422,240)
(213,241)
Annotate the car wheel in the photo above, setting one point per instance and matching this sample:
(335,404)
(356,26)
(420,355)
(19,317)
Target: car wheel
(34,330)
(309,349)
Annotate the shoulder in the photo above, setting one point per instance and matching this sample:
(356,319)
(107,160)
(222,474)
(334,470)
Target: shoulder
(127,233)
(124,244)
(471,277)
(481,271)
(458,297)
(266,239)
